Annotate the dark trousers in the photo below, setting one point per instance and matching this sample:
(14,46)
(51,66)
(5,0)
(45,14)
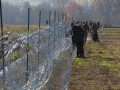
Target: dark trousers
(80,50)
(95,37)
(85,37)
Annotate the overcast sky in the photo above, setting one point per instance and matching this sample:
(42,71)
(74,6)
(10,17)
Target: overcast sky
(36,2)
(84,1)
(32,2)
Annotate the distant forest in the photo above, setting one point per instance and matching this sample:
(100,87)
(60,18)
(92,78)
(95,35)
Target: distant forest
(105,11)
(17,15)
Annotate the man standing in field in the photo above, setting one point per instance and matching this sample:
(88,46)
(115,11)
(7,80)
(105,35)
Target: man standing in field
(95,33)
(98,25)
(86,30)
(78,39)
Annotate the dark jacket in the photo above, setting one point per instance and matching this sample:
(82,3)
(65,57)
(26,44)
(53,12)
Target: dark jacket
(86,28)
(78,35)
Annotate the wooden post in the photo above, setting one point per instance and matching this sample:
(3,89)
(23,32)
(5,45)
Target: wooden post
(49,31)
(58,17)
(62,16)
(28,45)
(2,45)
(54,16)
(54,28)
(39,35)
(49,17)
(39,19)
(65,16)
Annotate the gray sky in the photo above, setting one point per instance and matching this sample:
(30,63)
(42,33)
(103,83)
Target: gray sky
(32,2)
(84,1)
(36,2)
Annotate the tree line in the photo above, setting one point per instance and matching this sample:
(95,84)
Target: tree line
(105,11)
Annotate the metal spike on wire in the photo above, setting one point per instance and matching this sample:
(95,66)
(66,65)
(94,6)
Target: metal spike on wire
(39,19)
(58,21)
(54,27)
(49,18)
(28,45)
(62,16)
(65,16)
(61,10)
(2,45)
(55,16)
(39,35)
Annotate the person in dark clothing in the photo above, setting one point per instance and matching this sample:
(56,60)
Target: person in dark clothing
(78,39)
(98,25)
(71,31)
(95,33)
(90,27)
(86,30)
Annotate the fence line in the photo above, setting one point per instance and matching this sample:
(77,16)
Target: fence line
(28,32)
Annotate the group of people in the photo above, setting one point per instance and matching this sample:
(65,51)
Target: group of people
(80,32)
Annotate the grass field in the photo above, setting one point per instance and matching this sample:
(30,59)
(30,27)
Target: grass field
(12,30)
(100,70)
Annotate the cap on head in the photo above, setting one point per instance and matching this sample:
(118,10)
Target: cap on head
(77,23)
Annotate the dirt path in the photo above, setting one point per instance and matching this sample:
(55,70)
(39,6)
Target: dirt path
(100,70)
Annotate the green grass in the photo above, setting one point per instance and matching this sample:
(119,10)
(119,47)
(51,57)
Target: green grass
(15,30)
(81,63)
(100,70)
